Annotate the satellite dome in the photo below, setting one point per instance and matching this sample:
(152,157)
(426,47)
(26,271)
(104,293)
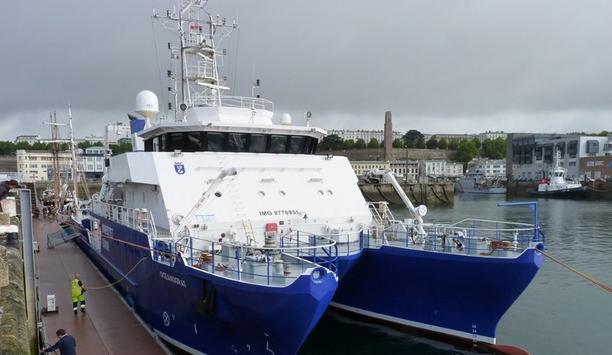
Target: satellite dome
(147,104)
(286,119)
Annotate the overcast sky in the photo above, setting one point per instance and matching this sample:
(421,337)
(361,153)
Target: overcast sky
(441,66)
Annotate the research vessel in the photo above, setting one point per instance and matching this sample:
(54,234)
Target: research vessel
(227,234)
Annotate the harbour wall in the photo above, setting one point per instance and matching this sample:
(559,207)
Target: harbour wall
(429,194)
(14,335)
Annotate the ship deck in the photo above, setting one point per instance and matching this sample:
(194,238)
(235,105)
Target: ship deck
(108,326)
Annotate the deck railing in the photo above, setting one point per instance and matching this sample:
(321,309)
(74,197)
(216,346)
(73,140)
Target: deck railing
(274,266)
(136,218)
(233,102)
(469,236)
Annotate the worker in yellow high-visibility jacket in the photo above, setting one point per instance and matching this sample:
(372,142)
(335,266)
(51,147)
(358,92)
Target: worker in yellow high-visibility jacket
(78,294)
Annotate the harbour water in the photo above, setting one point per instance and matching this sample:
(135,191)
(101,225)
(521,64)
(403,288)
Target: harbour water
(559,313)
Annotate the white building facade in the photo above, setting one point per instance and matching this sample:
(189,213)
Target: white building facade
(362,167)
(405,170)
(366,135)
(37,165)
(490,168)
(453,169)
(492,135)
(91,162)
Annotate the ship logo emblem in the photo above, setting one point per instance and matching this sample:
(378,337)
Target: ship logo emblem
(179,168)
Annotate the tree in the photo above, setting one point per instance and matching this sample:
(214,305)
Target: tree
(443,143)
(84,144)
(373,143)
(120,148)
(23,145)
(411,137)
(494,149)
(7,148)
(453,144)
(360,144)
(349,144)
(398,143)
(467,150)
(476,142)
(432,143)
(40,146)
(331,142)
(420,143)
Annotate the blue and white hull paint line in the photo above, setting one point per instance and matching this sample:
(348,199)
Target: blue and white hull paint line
(459,295)
(205,313)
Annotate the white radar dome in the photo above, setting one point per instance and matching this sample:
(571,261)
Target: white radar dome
(147,104)
(286,119)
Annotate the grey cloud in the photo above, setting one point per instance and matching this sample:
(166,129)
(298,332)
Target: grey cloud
(458,66)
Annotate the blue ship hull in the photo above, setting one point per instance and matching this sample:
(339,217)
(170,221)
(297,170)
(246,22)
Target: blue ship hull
(458,295)
(205,313)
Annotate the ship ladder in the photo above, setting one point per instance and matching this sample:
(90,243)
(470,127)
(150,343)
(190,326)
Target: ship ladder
(248,231)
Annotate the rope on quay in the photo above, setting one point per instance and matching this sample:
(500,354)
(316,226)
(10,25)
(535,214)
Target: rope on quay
(579,273)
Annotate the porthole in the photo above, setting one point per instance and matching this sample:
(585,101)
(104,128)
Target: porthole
(261,193)
(282,193)
(321,193)
(330,192)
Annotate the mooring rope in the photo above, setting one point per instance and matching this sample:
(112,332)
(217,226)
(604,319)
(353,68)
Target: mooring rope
(579,273)
(121,279)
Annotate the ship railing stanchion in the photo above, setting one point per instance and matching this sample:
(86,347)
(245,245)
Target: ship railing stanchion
(238,262)
(268,265)
(213,257)
(298,243)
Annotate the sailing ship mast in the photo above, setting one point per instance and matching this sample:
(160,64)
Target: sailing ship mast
(55,148)
(75,200)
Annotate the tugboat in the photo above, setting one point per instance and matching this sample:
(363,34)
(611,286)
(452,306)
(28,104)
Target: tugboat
(196,225)
(555,185)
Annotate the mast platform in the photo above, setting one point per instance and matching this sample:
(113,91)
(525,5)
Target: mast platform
(108,326)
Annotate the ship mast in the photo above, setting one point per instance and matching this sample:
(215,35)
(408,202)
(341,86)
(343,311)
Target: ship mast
(198,33)
(75,190)
(55,144)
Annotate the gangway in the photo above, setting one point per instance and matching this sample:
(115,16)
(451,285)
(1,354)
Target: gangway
(62,236)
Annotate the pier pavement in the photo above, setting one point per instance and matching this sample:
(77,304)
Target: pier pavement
(108,326)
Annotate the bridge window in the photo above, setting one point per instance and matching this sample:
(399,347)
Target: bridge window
(216,141)
(194,141)
(296,144)
(259,143)
(238,142)
(278,144)
(231,142)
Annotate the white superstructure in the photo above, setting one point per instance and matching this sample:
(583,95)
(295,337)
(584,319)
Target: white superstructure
(224,169)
